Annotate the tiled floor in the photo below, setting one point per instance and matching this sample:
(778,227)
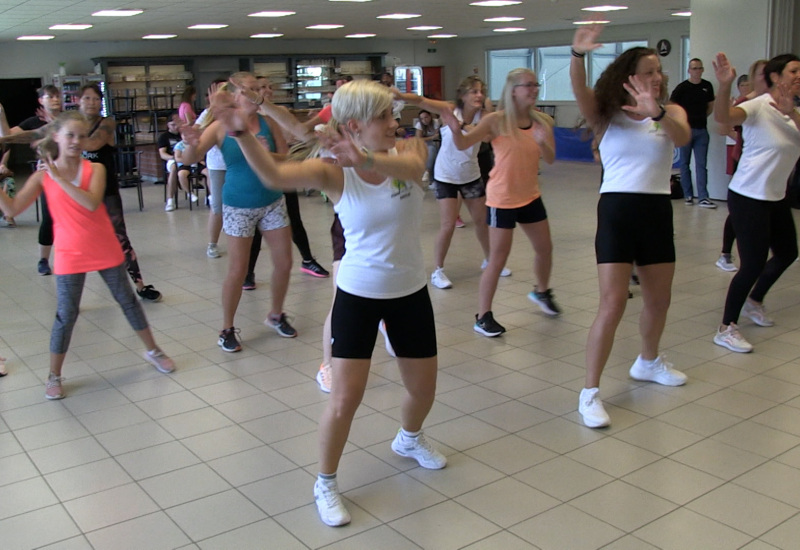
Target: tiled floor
(222,453)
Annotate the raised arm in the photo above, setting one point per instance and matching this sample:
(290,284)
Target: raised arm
(724,113)
(407,164)
(671,117)
(485,130)
(584,41)
(432,105)
(199,142)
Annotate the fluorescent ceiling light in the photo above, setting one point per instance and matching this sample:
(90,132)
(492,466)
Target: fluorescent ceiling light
(267,35)
(36,37)
(356,35)
(349,0)
(442,35)
(424,28)
(207,26)
(324,27)
(271,14)
(605,8)
(159,36)
(495,3)
(70,27)
(503,19)
(683,13)
(601,22)
(399,16)
(116,13)
(510,29)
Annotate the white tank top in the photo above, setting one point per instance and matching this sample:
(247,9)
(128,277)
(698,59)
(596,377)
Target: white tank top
(382,230)
(454,166)
(636,157)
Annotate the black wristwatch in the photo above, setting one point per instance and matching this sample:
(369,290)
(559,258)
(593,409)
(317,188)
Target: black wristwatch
(661,115)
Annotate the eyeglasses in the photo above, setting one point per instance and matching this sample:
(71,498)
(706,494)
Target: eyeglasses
(529,85)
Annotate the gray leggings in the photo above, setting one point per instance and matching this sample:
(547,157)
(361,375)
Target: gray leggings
(69,289)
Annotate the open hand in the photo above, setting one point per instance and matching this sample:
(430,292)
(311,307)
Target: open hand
(723,69)
(228,112)
(585,38)
(448,117)
(783,100)
(644,104)
(344,149)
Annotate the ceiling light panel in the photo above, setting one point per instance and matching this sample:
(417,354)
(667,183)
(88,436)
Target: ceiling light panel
(70,27)
(605,8)
(399,16)
(271,14)
(116,13)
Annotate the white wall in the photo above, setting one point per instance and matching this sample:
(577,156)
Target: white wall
(472,53)
(740,29)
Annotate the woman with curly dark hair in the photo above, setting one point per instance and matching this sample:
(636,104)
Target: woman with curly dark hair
(636,133)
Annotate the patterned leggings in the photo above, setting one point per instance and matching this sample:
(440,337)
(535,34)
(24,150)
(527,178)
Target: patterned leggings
(114,207)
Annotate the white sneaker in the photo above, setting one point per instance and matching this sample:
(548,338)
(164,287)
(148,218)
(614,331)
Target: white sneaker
(505,272)
(170,205)
(757,314)
(591,409)
(194,197)
(386,341)
(212,251)
(324,378)
(329,503)
(439,279)
(732,339)
(658,370)
(420,450)
(725,263)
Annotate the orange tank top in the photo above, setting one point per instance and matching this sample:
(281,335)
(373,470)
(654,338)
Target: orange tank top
(514,180)
(84,241)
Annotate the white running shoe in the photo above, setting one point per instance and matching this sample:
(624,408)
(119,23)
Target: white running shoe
(420,450)
(170,205)
(505,272)
(329,503)
(732,339)
(591,409)
(725,263)
(658,370)
(439,279)
(212,251)
(324,378)
(757,314)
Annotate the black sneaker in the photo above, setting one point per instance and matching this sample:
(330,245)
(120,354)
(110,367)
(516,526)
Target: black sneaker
(487,326)
(634,279)
(249,282)
(44,267)
(281,326)
(545,301)
(311,267)
(228,340)
(149,293)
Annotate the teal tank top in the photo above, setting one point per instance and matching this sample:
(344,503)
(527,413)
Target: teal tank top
(243,188)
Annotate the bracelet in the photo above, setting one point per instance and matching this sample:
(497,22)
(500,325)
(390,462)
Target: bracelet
(660,115)
(236,133)
(370,162)
(577,54)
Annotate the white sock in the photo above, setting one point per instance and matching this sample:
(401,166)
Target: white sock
(410,435)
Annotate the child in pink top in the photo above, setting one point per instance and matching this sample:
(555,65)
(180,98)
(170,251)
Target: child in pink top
(84,239)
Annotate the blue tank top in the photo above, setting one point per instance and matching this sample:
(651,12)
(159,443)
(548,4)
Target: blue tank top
(243,188)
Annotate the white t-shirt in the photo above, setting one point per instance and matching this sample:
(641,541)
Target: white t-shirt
(435,125)
(454,166)
(214,160)
(771,148)
(636,157)
(382,230)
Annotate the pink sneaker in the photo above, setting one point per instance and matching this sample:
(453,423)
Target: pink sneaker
(160,361)
(460,223)
(52,388)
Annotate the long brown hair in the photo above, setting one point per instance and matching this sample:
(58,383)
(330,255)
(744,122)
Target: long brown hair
(609,93)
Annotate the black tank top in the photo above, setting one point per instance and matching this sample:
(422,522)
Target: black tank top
(105,156)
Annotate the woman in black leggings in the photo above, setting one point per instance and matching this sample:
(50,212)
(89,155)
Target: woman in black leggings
(759,209)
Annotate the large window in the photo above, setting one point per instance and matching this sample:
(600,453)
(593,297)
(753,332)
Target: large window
(551,65)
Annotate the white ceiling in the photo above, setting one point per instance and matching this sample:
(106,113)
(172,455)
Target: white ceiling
(25,17)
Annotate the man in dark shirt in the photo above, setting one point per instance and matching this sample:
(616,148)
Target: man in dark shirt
(166,145)
(696,96)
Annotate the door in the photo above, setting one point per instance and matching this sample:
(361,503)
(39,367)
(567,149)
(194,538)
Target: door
(433,82)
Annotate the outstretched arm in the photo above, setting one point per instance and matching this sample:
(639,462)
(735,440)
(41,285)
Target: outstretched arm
(484,131)
(24,197)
